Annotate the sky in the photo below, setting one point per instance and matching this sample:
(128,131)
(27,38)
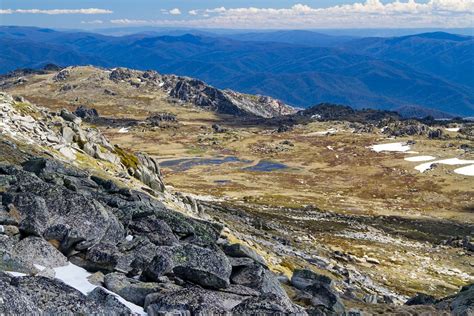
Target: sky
(242,14)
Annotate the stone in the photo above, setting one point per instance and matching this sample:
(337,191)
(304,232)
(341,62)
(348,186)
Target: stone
(96,278)
(86,113)
(107,303)
(38,251)
(303,278)
(239,250)
(218,129)
(130,289)
(68,116)
(192,301)
(51,296)
(240,262)
(68,152)
(12,300)
(268,304)
(258,278)
(9,261)
(463,302)
(157,231)
(206,267)
(101,257)
(62,75)
(161,264)
(68,134)
(324,299)
(421,299)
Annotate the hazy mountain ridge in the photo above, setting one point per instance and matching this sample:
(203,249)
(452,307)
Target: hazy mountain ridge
(360,73)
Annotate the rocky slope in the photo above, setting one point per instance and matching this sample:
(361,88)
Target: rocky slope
(89,227)
(55,215)
(180,89)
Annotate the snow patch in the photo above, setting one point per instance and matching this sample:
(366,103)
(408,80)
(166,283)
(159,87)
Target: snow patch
(453,129)
(420,158)
(397,147)
(123,130)
(129,238)
(16,274)
(76,277)
(467,171)
(452,162)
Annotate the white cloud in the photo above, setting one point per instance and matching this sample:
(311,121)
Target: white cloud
(368,14)
(56,11)
(216,10)
(175,11)
(127,21)
(92,22)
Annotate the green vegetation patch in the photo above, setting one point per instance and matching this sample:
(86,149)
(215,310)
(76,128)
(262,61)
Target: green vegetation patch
(129,160)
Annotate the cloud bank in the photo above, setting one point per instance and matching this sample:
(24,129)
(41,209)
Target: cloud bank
(371,13)
(56,11)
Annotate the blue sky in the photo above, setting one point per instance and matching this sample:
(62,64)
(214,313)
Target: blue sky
(264,14)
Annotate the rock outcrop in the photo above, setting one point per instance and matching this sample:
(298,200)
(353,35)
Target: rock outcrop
(63,134)
(197,92)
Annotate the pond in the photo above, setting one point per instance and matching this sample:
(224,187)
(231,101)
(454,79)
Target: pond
(188,163)
(266,166)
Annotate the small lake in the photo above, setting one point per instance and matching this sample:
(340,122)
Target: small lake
(188,163)
(267,166)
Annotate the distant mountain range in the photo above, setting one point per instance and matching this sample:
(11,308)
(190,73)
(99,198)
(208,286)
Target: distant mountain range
(429,73)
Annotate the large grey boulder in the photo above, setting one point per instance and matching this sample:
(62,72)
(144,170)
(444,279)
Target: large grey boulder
(461,304)
(157,231)
(130,289)
(101,257)
(52,297)
(268,304)
(68,116)
(203,266)
(303,278)
(239,250)
(11,262)
(324,300)
(192,301)
(260,279)
(12,300)
(106,304)
(206,267)
(317,291)
(36,250)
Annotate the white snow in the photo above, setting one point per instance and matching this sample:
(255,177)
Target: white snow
(16,274)
(76,277)
(420,158)
(398,147)
(123,130)
(330,147)
(453,129)
(129,238)
(451,161)
(467,171)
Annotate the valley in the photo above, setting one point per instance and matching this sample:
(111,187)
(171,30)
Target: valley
(313,195)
